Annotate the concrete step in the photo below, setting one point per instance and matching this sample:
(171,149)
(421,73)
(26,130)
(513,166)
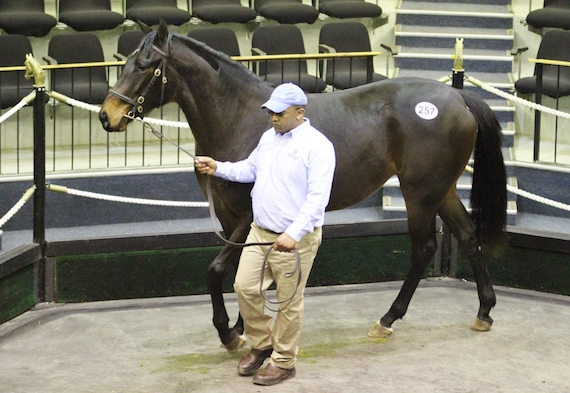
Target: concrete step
(477,15)
(452,3)
(445,37)
(475,60)
(464,183)
(395,207)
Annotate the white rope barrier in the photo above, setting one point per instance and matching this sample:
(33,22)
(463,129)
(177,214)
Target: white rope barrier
(507,96)
(23,102)
(27,195)
(528,195)
(112,198)
(545,201)
(391,182)
(94,108)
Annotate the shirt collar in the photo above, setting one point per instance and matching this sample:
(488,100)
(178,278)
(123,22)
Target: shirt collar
(295,131)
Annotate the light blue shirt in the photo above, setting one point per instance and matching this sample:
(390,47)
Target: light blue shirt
(293,175)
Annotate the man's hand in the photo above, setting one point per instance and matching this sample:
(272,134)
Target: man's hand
(205,165)
(284,243)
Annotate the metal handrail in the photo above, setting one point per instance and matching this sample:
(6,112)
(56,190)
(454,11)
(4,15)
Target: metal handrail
(550,62)
(310,56)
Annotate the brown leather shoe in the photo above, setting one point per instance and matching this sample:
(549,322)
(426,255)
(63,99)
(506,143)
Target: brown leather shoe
(252,361)
(272,375)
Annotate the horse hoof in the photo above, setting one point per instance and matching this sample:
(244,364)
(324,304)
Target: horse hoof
(480,325)
(379,331)
(237,342)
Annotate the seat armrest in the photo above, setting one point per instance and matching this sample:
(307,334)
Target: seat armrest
(392,51)
(120,57)
(50,60)
(327,48)
(325,62)
(518,51)
(257,51)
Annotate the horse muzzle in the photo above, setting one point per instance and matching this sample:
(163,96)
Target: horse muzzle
(110,126)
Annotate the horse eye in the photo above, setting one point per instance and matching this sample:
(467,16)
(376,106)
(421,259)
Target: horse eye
(141,66)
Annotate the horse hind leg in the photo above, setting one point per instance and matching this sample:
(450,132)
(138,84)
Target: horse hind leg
(421,224)
(454,214)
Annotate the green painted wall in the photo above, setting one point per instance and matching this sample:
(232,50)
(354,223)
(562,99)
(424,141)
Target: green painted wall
(16,294)
(183,271)
(525,268)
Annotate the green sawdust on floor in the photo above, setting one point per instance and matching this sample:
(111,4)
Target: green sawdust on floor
(194,362)
(201,363)
(329,349)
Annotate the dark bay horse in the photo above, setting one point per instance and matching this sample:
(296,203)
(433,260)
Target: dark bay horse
(420,130)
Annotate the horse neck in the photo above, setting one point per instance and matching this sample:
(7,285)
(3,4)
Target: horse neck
(221,106)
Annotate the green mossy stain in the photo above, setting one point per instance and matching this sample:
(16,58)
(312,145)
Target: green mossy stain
(202,363)
(193,362)
(329,349)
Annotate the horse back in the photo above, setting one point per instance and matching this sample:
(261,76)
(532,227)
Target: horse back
(409,127)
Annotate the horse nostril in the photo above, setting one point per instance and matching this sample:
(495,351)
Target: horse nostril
(104,118)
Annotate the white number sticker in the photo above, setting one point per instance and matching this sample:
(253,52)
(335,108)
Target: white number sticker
(426,110)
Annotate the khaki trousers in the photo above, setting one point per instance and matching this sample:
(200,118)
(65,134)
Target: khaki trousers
(284,334)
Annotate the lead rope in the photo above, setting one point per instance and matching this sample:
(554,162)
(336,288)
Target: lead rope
(288,301)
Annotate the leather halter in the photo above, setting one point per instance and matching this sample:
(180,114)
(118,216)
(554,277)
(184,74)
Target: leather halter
(137,105)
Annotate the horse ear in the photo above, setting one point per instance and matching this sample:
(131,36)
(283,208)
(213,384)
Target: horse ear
(162,32)
(144,27)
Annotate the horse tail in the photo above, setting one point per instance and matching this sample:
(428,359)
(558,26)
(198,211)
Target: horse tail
(489,189)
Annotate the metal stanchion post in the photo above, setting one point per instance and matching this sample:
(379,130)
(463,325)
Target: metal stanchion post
(33,69)
(458,73)
(538,100)
(448,254)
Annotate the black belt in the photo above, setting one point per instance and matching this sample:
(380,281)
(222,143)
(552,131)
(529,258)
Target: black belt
(269,230)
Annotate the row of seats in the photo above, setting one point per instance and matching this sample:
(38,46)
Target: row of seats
(90,85)
(28,17)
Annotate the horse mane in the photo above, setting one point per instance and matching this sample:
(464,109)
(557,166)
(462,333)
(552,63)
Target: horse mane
(226,67)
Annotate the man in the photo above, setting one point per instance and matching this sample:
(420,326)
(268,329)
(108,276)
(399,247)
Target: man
(292,168)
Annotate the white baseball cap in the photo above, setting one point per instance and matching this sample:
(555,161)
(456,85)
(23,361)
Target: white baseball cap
(284,96)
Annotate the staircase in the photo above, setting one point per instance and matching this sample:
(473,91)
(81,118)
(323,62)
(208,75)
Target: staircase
(426,33)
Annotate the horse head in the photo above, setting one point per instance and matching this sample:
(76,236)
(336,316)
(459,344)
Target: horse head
(142,85)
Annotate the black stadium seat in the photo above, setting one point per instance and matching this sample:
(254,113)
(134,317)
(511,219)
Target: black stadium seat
(128,41)
(151,11)
(347,37)
(221,11)
(348,8)
(25,17)
(555,45)
(13,85)
(280,40)
(286,11)
(554,14)
(222,39)
(89,15)
(84,84)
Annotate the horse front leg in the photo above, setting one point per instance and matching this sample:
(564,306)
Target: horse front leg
(424,245)
(454,214)
(226,261)
(219,269)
